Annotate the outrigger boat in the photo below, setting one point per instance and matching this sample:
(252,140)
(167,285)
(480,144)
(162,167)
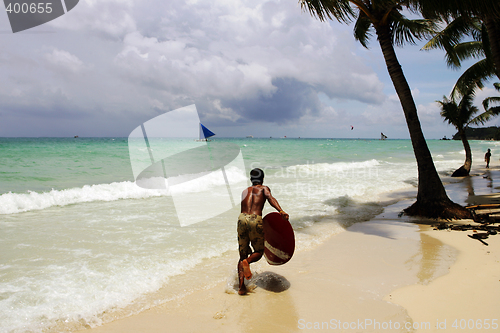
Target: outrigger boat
(205,133)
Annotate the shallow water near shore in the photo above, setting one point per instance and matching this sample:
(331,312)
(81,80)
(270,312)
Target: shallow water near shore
(82,244)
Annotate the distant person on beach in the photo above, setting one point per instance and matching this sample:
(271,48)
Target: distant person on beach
(250,225)
(487,158)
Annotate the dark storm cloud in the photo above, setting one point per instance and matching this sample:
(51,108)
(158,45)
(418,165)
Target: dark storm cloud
(288,103)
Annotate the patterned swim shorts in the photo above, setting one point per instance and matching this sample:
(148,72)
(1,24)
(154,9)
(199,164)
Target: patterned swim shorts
(250,229)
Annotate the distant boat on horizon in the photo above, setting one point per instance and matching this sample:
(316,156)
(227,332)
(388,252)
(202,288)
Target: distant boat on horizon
(205,133)
(249,136)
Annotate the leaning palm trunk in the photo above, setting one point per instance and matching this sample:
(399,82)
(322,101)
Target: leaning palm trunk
(432,200)
(464,170)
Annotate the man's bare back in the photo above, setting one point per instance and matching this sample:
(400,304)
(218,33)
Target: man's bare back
(254,198)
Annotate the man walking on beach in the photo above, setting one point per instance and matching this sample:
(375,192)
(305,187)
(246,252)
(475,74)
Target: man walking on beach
(487,157)
(250,225)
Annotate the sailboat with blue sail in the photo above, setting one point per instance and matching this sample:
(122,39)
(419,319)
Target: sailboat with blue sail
(205,133)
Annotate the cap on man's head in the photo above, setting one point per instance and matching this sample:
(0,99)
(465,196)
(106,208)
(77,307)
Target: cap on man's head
(257,176)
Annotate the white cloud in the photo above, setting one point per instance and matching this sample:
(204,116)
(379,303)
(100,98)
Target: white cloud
(222,112)
(64,60)
(242,48)
(175,66)
(112,18)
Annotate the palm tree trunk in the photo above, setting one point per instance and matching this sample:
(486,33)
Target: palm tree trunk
(432,200)
(468,152)
(493,28)
(464,170)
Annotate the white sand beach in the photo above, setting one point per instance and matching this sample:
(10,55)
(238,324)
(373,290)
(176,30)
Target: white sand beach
(385,275)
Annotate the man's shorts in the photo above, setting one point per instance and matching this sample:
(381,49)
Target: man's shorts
(250,229)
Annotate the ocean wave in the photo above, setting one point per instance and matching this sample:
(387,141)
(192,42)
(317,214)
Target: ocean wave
(324,169)
(11,203)
(205,181)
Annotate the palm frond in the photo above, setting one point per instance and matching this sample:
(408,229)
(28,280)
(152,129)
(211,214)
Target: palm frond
(464,51)
(451,35)
(325,9)
(450,39)
(490,100)
(407,31)
(473,78)
(385,6)
(486,116)
(362,29)
(434,9)
(449,111)
(477,33)
(486,42)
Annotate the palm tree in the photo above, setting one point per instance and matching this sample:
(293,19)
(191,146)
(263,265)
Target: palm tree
(393,28)
(450,39)
(460,116)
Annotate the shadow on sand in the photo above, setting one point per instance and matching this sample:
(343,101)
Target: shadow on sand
(271,281)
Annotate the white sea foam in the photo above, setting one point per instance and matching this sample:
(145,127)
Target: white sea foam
(363,180)
(11,203)
(317,170)
(205,181)
(80,292)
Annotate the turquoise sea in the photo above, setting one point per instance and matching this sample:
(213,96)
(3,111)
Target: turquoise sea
(82,244)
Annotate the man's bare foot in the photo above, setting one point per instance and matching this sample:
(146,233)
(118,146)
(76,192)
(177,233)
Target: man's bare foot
(243,290)
(246,269)
(241,279)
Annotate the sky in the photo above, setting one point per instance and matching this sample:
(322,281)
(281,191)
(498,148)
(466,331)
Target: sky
(258,67)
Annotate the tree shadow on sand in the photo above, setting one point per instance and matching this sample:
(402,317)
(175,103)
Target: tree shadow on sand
(271,281)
